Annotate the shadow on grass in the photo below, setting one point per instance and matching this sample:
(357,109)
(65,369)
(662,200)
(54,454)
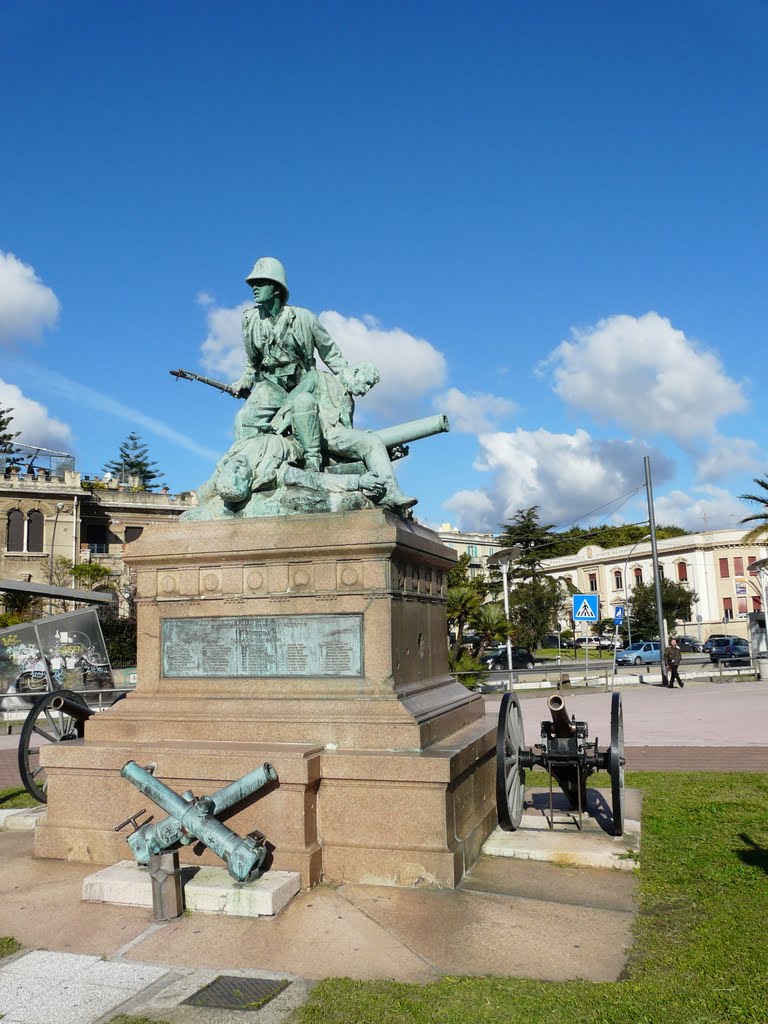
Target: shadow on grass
(754,855)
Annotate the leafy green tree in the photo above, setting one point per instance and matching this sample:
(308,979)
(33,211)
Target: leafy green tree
(23,607)
(7,436)
(534,609)
(468,669)
(134,461)
(491,625)
(677,601)
(462,602)
(760,531)
(120,639)
(570,542)
(88,575)
(536,542)
(459,576)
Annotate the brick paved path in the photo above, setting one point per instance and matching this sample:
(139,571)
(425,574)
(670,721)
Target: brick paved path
(705,727)
(9,769)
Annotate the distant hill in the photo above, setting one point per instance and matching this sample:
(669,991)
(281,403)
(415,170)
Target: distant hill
(570,542)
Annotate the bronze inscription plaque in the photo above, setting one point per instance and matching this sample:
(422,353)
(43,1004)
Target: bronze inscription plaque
(263,645)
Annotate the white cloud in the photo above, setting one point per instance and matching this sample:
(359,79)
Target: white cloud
(729,456)
(223,348)
(92,399)
(706,508)
(27,306)
(642,373)
(473,414)
(32,419)
(410,367)
(567,475)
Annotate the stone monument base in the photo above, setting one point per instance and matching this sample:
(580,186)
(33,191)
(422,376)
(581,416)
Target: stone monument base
(318,644)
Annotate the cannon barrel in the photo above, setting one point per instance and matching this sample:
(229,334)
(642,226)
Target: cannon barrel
(194,818)
(564,727)
(404,433)
(72,708)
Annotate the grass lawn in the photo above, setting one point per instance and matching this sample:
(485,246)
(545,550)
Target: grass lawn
(701,946)
(16,796)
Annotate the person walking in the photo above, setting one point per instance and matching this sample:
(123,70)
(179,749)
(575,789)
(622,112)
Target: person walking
(672,658)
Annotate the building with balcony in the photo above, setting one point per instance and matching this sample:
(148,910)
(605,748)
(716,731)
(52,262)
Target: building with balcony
(479,547)
(54,511)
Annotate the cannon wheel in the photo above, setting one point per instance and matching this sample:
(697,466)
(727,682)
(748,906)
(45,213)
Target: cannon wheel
(510,776)
(54,726)
(616,764)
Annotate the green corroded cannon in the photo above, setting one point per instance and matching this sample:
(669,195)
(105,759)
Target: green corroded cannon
(414,430)
(193,819)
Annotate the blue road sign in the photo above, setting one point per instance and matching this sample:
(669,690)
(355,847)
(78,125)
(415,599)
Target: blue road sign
(586,607)
(618,615)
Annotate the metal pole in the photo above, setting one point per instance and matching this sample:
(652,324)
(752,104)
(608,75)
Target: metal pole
(656,575)
(504,566)
(59,507)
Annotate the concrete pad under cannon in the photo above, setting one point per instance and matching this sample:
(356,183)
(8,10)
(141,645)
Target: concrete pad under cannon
(565,844)
(206,890)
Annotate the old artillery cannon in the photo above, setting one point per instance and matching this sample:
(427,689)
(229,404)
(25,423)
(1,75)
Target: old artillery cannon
(193,819)
(565,753)
(58,716)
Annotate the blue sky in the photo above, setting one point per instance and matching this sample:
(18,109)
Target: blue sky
(548,219)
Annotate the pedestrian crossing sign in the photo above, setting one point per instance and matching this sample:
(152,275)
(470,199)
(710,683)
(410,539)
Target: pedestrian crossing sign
(618,615)
(586,607)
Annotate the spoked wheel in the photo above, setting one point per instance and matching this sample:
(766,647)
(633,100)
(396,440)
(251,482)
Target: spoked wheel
(54,726)
(616,764)
(510,775)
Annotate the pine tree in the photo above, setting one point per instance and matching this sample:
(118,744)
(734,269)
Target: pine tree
(7,436)
(133,461)
(536,541)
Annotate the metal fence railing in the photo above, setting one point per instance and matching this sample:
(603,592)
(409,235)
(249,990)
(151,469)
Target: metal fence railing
(549,676)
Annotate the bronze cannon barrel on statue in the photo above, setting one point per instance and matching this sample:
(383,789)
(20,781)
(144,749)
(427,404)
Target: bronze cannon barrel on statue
(404,433)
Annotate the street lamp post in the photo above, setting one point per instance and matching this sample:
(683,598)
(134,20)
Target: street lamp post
(59,509)
(500,560)
(626,596)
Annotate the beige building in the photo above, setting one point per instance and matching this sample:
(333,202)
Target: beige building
(479,546)
(717,565)
(55,512)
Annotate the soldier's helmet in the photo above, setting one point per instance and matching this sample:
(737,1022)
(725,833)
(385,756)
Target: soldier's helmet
(269,269)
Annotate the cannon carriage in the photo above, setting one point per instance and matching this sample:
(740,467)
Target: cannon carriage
(565,753)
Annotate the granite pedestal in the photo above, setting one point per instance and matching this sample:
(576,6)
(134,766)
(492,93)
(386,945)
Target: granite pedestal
(314,642)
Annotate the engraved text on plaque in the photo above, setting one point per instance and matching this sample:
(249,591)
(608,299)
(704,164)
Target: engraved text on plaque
(263,645)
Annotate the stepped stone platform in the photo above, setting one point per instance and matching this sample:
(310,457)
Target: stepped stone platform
(314,642)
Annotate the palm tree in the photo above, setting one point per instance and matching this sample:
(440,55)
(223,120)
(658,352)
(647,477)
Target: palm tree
(761,518)
(490,623)
(462,602)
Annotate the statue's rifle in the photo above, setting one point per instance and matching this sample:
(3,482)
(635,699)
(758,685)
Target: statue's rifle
(227,388)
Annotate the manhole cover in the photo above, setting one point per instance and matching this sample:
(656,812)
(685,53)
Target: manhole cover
(227,993)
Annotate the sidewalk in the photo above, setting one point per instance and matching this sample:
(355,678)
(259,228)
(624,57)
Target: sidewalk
(507,918)
(525,920)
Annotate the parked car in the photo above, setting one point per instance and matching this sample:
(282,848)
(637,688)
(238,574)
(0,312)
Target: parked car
(729,650)
(496,661)
(707,645)
(602,643)
(644,652)
(688,644)
(552,641)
